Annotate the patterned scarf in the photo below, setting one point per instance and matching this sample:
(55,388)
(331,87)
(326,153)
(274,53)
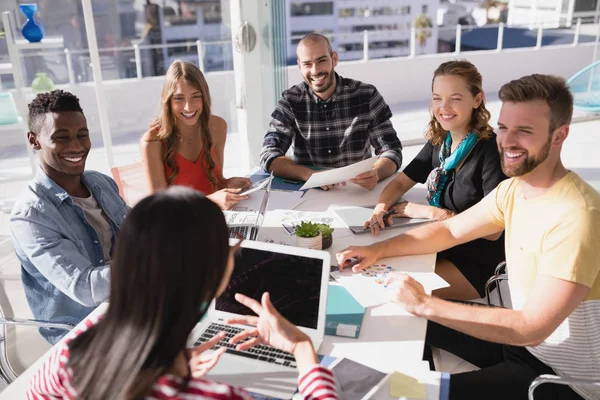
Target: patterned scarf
(437,179)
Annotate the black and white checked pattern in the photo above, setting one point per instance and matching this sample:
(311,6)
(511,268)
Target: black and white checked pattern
(341,131)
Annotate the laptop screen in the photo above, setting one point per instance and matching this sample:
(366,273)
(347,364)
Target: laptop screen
(294,283)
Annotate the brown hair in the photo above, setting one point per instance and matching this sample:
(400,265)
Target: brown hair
(480,117)
(168,133)
(159,290)
(549,88)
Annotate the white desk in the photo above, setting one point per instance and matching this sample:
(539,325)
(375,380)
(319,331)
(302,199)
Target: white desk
(389,339)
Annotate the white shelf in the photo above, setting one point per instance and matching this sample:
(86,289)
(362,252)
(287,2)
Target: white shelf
(12,127)
(46,43)
(6,69)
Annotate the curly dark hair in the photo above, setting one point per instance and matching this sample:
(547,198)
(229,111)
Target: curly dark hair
(54,101)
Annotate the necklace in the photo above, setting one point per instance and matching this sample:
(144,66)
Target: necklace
(188,139)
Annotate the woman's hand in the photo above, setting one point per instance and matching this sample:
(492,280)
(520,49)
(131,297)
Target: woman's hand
(379,219)
(227,198)
(275,330)
(271,327)
(201,363)
(236,183)
(413,210)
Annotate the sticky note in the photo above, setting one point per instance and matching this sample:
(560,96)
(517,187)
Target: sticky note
(406,386)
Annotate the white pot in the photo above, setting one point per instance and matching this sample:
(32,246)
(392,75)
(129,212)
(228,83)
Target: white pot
(315,243)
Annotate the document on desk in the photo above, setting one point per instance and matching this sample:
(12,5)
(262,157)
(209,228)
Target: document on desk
(337,175)
(278,200)
(368,286)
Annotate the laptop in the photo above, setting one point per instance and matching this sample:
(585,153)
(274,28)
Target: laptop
(296,279)
(355,218)
(247,224)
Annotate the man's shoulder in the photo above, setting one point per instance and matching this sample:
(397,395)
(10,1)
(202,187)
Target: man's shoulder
(99,178)
(30,199)
(354,85)
(295,92)
(576,190)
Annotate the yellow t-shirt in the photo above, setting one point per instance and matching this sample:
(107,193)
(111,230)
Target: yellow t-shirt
(557,235)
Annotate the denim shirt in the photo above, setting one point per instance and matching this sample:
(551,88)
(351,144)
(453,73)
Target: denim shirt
(63,269)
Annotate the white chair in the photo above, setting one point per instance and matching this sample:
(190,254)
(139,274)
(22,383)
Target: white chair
(559,380)
(20,342)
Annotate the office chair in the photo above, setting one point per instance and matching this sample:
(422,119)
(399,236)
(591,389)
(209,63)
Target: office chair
(131,181)
(559,380)
(494,282)
(19,349)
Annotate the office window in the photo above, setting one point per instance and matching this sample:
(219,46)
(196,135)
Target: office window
(297,35)
(424,8)
(308,9)
(346,12)
(585,5)
(405,10)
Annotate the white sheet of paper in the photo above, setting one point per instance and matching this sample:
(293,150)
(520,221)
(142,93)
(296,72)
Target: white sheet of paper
(368,286)
(256,186)
(277,200)
(289,218)
(338,175)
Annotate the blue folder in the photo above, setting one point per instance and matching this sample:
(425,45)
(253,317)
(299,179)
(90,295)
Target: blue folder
(344,313)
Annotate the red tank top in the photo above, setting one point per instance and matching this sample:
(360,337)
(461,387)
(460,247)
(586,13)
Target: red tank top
(194,174)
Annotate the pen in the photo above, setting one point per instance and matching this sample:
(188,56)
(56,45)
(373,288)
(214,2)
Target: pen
(386,215)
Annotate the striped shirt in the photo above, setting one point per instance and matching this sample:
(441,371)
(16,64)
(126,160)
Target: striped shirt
(341,131)
(556,235)
(53,381)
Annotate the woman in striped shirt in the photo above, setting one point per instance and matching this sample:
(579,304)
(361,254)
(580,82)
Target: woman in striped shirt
(167,267)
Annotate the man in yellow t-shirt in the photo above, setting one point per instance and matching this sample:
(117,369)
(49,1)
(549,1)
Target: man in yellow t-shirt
(553,260)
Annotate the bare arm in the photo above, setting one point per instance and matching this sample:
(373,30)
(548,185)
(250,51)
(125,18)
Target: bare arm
(395,190)
(287,168)
(152,158)
(431,238)
(530,326)
(385,168)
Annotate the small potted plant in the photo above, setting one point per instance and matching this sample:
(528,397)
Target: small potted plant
(327,234)
(308,235)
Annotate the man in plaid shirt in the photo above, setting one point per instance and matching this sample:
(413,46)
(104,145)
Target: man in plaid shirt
(330,122)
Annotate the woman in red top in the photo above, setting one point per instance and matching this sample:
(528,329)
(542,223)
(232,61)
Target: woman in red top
(185,144)
(167,268)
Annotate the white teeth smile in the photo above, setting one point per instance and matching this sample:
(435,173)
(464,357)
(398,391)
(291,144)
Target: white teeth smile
(510,154)
(446,116)
(73,159)
(319,79)
(188,115)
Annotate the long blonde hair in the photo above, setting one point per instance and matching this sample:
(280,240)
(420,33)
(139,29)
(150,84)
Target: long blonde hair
(480,116)
(168,133)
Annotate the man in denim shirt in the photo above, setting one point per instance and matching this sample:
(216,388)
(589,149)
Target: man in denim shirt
(65,223)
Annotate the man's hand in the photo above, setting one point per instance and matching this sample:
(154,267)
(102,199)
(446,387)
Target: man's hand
(406,291)
(368,180)
(366,256)
(201,363)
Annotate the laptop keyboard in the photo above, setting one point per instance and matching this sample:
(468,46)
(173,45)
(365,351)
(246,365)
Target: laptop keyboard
(261,352)
(237,231)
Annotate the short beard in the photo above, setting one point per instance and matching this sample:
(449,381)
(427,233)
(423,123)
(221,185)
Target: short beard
(529,164)
(325,88)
